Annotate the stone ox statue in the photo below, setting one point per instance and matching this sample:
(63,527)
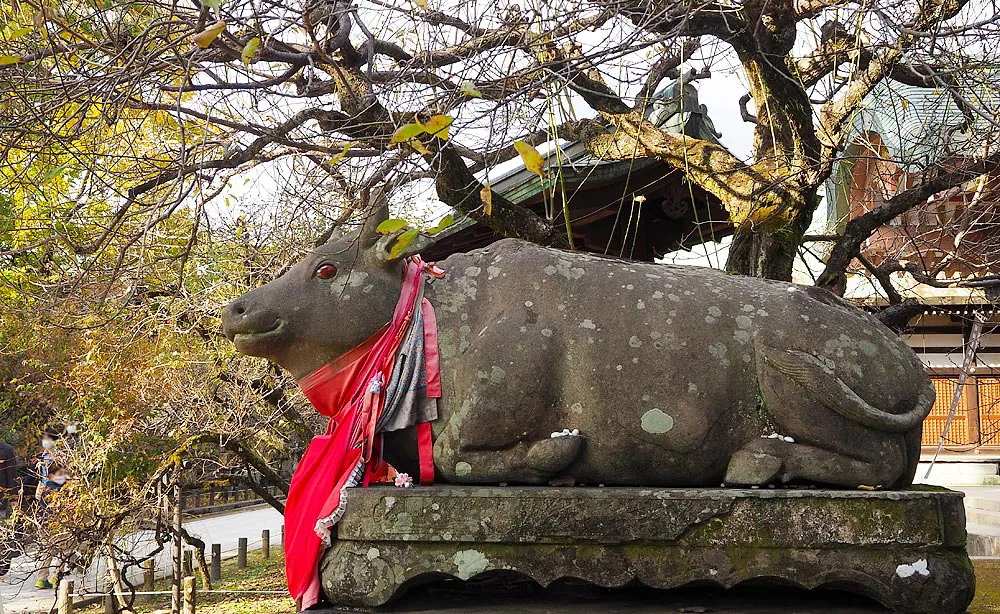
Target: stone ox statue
(673,376)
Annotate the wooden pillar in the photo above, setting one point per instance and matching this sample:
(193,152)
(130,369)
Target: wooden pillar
(972,405)
(265,543)
(190,595)
(241,555)
(148,576)
(216,571)
(64,596)
(175,590)
(188,563)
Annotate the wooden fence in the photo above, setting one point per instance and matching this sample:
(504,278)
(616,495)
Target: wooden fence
(189,591)
(221,499)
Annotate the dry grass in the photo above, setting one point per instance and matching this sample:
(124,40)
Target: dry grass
(987,599)
(260,575)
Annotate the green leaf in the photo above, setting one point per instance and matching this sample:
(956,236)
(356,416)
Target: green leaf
(249,49)
(445,222)
(18,33)
(212,4)
(390,226)
(437,126)
(469,89)
(407,132)
(53,173)
(402,242)
(9,59)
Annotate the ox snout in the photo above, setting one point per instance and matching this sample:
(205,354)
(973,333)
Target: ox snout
(254,330)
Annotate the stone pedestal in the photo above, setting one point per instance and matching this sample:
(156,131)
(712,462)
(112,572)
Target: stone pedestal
(905,549)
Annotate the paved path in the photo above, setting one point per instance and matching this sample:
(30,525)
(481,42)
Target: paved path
(18,592)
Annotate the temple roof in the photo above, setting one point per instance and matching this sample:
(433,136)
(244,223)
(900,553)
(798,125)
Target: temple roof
(600,195)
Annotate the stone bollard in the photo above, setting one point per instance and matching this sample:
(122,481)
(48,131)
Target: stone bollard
(265,543)
(241,555)
(216,566)
(189,595)
(64,597)
(282,535)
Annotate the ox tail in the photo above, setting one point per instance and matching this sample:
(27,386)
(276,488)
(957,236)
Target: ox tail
(822,385)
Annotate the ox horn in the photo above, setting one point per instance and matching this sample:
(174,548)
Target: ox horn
(378,212)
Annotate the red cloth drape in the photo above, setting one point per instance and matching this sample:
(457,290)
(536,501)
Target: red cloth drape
(349,390)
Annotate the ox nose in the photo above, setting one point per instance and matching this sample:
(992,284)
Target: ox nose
(231,316)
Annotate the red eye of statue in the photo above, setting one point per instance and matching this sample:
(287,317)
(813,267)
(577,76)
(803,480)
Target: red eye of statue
(326,271)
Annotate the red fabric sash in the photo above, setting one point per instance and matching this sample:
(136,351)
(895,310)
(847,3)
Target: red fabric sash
(350,391)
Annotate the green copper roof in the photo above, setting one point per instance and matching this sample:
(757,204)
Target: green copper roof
(674,108)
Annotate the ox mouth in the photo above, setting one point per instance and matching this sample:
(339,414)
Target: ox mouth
(257,338)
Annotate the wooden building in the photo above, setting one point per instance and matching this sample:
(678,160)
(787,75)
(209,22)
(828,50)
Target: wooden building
(638,209)
(955,235)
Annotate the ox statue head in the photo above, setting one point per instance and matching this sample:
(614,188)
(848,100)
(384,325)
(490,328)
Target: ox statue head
(325,305)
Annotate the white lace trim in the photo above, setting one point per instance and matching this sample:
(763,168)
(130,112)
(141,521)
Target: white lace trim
(324,526)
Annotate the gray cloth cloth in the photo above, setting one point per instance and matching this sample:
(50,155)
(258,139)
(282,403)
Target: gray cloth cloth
(406,401)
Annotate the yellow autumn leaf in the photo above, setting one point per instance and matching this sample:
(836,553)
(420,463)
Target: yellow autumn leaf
(533,160)
(402,242)
(249,49)
(438,126)
(340,156)
(469,89)
(419,147)
(204,38)
(421,4)
(407,132)
(486,195)
(9,59)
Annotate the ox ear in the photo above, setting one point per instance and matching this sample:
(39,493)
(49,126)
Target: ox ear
(384,246)
(332,235)
(377,211)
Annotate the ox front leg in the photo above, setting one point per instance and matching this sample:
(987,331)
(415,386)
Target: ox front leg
(537,462)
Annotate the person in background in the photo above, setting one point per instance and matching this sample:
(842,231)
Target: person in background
(56,479)
(10,492)
(37,474)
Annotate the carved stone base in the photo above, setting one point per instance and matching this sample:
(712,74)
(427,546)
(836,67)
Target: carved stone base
(905,549)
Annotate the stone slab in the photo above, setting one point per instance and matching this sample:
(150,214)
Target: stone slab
(870,543)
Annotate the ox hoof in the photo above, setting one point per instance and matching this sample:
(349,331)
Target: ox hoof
(551,456)
(752,469)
